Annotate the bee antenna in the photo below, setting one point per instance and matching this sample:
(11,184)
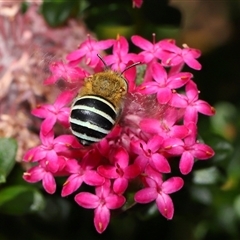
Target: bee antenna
(100,57)
(130,66)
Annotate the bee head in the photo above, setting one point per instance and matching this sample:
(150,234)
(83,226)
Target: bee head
(121,73)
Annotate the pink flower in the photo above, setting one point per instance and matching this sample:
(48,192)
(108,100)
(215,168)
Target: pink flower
(159,190)
(120,57)
(191,103)
(82,172)
(193,149)
(56,112)
(44,173)
(151,51)
(174,56)
(121,171)
(163,85)
(102,202)
(148,153)
(71,74)
(89,50)
(166,126)
(52,150)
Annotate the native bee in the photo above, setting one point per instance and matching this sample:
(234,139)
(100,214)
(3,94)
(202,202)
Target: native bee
(98,106)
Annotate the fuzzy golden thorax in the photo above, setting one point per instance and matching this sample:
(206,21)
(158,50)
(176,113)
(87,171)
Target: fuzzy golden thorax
(108,84)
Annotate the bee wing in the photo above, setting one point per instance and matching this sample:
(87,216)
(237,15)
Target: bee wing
(137,105)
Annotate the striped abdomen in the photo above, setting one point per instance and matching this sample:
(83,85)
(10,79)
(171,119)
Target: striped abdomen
(92,118)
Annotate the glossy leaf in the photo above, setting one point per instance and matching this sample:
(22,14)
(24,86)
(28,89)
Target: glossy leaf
(130,202)
(8,148)
(57,12)
(148,211)
(236,205)
(222,121)
(206,176)
(56,210)
(202,194)
(223,149)
(18,200)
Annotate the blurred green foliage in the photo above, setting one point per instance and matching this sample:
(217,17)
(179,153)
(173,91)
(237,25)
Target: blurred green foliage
(8,148)
(208,207)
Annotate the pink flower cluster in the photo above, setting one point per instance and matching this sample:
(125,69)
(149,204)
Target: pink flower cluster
(158,126)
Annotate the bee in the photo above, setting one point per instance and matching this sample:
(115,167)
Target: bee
(98,106)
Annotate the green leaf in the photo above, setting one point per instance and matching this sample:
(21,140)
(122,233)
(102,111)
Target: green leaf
(226,217)
(221,122)
(18,200)
(207,176)
(223,149)
(236,206)
(24,7)
(201,194)
(130,201)
(56,209)
(148,211)
(57,12)
(8,149)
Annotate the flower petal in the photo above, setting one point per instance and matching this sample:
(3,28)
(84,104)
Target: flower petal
(48,123)
(159,73)
(108,171)
(63,99)
(160,163)
(164,95)
(192,91)
(104,44)
(145,195)
(165,205)
(204,108)
(40,111)
(121,158)
(154,143)
(173,146)
(141,42)
(120,185)
(29,156)
(132,171)
(150,125)
(49,183)
(178,101)
(189,55)
(101,218)
(34,174)
(92,178)
(114,201)
(178,80)
(71,184)
(202,151)
(191,115)
(171,185)
(141,162)
(186,163)
(87,200)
